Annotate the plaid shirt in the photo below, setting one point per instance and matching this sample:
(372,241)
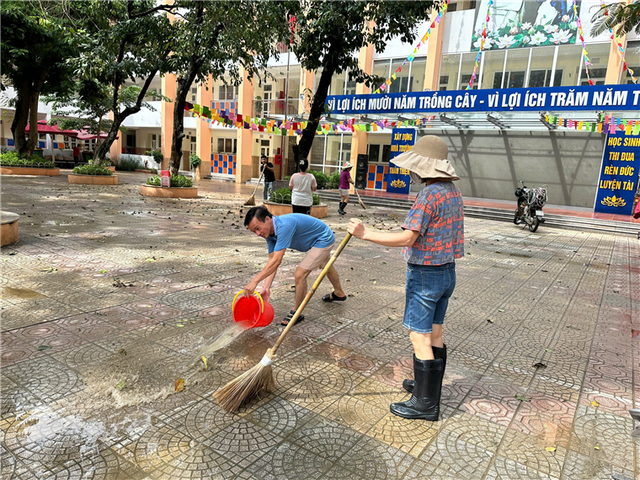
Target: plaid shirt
(437,214)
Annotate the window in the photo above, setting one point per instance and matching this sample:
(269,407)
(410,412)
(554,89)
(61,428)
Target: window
(193,145)
(597,76)
(264,148)
(345,152)
(227,145)
(131,140)
(444,81)
(227,92)
(194,93)
(154,141)
(386,151)
(266,103)
(374,153)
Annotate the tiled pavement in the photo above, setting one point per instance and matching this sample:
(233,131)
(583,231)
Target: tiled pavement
(110,297)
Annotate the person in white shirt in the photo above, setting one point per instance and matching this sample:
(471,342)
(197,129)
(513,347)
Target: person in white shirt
(302,185)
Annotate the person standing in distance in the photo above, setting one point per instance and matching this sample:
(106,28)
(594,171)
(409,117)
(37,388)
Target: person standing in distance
(302,185)
(432,237)
(266,169)
(343,186)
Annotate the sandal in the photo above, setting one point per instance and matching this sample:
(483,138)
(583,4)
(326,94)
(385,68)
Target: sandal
(288,318)
(332,297)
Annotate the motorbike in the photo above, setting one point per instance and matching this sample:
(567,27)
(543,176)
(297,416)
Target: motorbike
(530,203)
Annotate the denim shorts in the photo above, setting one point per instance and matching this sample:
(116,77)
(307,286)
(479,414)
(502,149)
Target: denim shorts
(427,295)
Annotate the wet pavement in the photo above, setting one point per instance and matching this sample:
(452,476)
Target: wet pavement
(110,298)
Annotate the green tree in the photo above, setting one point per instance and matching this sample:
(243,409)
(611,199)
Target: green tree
(217,39)
(617,16)
(329,35)
(128,43)
(35,43)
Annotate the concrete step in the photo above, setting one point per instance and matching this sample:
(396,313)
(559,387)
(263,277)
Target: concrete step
(497,214)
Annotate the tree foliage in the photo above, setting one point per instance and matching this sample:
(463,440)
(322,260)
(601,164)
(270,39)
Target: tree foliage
(129,41)
(617,16)
(329,35)
(220,40)
(36,41)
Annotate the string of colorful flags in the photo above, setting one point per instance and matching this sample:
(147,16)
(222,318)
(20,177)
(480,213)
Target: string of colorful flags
(482,40)
(616,40)
(607,123)
(291,128)
(412,56)
(584,47)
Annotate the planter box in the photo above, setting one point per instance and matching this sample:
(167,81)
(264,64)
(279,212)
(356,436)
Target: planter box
(168,192)
(93,179)
(47,172)
(9,232)
(317,211)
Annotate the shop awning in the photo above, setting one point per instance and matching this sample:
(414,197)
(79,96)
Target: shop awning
(45,128)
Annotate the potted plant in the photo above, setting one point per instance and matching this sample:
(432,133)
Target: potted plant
(92,174)
(158,157)
(280,204)
(180,187)
(12,163)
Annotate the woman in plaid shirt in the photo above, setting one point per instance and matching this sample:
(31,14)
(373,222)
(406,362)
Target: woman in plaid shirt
(432,237)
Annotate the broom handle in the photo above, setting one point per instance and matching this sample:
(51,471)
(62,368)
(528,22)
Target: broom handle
(271,352)
(257,185)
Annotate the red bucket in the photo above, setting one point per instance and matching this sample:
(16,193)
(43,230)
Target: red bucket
(252,310)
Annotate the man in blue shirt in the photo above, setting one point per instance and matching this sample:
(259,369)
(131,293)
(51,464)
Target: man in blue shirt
(299,232)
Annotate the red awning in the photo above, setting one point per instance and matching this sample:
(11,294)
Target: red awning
(44,127)
(84,135)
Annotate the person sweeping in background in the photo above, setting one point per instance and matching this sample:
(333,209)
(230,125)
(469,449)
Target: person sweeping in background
(432,237)
(343,186)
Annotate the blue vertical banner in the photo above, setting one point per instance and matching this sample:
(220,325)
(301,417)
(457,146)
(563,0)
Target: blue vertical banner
(619,174)
(402,139)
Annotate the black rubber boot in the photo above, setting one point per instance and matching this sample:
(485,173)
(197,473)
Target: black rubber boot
(438,352)
(341,208)
(425,401)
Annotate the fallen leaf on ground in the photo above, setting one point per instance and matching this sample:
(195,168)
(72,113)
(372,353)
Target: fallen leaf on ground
(44,347)
(179,385)
(489,320)
(539,365)
(594,403)
(550,449)
(522,398)
(501,309)
(120,385)
(204,360)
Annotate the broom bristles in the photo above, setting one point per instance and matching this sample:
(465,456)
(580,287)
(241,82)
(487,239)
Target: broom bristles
(252,382)
(251,201)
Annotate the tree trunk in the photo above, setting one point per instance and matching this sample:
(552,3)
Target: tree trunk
(118,117)
(183,88)
(33,123)
(98,139)
(21,118)
(303,148)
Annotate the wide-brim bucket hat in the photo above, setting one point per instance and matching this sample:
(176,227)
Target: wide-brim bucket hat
(428,159)
(347,165)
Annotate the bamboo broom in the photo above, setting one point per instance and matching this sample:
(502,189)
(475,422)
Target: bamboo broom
(260,378)
(252,199)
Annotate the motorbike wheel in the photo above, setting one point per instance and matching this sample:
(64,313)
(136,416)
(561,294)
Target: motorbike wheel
(517,219)
(535,223)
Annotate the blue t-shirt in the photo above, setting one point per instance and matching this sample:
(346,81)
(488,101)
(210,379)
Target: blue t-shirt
(300,232)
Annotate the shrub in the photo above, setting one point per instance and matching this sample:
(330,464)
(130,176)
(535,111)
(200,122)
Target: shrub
(128,164)
(334,181)
(156,154)
(176,181)
(316,199)
(287,178)
(321,179)
(282,195)
(91,170)
(14,159)
(194,160)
